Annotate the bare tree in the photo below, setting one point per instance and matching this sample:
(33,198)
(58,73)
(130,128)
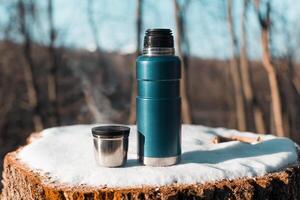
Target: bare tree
(253,110)
(290,97)
(276,107)
(139,23)
(54,118)
(235,74)
(180,39)
(31,83)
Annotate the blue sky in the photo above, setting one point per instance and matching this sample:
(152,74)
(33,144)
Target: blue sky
(206,24)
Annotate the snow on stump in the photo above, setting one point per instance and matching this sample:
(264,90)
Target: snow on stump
(58,163)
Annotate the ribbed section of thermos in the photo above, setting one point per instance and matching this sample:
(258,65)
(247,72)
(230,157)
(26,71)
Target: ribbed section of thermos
(158,100)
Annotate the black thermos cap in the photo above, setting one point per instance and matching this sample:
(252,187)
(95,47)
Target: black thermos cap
(111,131)
(161,38)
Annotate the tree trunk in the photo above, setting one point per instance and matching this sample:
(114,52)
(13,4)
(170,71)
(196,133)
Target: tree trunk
(275,97)
(276,109)
(132,117)
(293,107)
(235,74)
(52,76)
(30,82)
(185,107)
(23,182)
(254,113)
(230,119)
(286,76)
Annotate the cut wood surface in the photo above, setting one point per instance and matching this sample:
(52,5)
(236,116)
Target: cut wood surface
(231,170)
(22,183)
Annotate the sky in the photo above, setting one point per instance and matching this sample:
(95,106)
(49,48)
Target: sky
(206,26)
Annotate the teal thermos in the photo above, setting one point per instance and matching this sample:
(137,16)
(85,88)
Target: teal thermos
(158,100)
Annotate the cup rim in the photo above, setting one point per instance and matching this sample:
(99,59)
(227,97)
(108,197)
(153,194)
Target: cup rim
(110,131)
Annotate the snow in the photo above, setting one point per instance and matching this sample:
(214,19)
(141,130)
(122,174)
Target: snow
(66,155)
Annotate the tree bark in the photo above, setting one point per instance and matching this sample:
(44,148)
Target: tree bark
(288,90)
(293,108)
(185,107)
(30,82)
(139,14)
(54,118)
(276,107)
(235,74)
(253,111)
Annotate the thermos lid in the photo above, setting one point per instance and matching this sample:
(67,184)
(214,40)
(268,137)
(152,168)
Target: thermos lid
(110,131)
(159,38)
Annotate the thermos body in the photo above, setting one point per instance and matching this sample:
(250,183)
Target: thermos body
(158,109)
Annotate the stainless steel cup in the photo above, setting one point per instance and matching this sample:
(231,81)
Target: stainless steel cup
(111,145)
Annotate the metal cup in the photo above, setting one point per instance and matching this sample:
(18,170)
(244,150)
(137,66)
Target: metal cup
(110,145)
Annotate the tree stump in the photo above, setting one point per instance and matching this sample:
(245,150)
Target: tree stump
(22,180)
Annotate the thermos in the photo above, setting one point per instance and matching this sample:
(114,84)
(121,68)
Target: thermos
(158,101)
